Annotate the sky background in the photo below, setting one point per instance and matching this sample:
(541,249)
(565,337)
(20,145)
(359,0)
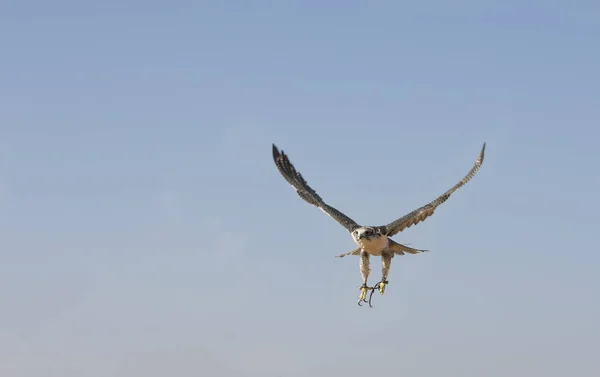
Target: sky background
(145,231)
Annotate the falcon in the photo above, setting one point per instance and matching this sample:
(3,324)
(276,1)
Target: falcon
(371,240)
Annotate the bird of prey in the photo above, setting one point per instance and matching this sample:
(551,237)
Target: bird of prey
(371,240)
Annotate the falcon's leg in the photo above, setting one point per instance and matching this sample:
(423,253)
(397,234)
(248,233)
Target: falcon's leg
(386,262)
(364,271)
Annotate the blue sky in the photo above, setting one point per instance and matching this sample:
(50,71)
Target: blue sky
(144,229)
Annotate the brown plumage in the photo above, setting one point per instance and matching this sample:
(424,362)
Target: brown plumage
(371,240)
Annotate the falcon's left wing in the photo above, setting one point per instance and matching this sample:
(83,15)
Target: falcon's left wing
(427,210)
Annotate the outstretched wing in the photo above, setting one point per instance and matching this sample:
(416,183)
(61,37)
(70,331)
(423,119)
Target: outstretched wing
(309,195)
(427,210)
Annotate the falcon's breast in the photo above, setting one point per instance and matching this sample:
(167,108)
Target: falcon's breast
(374,245)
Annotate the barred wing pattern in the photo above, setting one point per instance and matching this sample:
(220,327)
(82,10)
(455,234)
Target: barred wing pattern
(427,210)
(309,195)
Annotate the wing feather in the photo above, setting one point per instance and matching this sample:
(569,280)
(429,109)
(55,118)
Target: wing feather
(420,214)
(400,249)
(294,178)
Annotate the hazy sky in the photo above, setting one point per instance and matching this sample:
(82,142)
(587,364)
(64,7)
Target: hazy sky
(145,231)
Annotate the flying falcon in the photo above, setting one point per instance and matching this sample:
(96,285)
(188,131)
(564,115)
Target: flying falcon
(371,240)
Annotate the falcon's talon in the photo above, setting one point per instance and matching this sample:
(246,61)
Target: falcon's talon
(363,294)
(381,286)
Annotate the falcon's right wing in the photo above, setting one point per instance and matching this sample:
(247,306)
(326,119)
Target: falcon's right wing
(309,195)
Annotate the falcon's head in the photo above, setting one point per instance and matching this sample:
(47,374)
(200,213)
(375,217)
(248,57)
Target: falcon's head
(366,232)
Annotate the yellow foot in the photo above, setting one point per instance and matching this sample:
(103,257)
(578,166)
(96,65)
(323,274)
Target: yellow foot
(381,285)
(363,294)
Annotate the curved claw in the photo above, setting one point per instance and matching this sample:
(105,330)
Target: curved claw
(363,295)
